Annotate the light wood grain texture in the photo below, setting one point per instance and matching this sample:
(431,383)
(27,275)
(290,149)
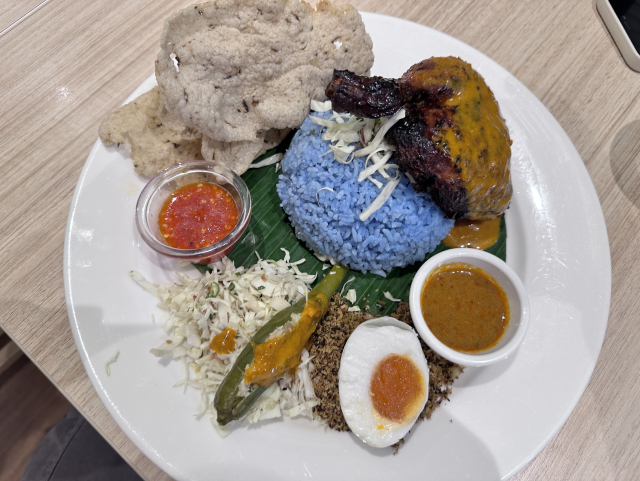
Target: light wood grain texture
(13,11)
(72,63)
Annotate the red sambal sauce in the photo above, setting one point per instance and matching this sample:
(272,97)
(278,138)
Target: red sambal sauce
(197,215)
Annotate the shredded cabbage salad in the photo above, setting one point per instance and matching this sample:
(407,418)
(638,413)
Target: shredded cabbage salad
(345,131)
(244,300)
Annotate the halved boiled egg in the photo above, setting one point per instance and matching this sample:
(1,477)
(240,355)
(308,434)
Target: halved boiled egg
(383,381)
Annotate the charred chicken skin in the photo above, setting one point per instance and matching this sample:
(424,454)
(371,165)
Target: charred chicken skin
(452,142)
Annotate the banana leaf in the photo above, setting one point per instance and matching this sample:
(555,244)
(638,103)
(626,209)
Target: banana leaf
(269,232)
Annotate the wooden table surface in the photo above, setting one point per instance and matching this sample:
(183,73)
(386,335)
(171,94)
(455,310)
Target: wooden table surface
(68,63)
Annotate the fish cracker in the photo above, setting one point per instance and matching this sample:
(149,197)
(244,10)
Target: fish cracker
(233,69)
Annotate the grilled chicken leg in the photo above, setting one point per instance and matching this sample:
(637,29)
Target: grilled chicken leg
(452,143)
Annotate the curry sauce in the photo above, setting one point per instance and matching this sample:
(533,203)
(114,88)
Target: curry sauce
(225,342)
(478,141)
(476,234)
(464,307)
(280,354)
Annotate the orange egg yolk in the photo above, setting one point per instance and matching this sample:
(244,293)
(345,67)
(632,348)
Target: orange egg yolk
(397,388)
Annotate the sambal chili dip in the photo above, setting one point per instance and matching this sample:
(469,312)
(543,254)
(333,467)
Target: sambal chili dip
(464,307)
(197,215)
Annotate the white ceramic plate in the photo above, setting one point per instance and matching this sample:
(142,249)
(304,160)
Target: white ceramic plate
(499,417)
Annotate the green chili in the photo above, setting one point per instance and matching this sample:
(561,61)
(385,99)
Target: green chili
(228,405)
(210,293)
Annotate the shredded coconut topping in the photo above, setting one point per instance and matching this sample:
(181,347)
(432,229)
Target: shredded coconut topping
(388,295)
(344,131)
(351,296)
(274,159)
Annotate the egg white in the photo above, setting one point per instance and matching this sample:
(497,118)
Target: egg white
(367,346)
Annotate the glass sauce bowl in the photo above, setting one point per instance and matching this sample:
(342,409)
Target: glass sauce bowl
(156,192)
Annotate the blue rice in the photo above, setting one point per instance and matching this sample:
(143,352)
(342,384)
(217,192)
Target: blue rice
(407,227)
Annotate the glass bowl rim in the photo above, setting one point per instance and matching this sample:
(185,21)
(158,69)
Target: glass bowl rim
(171,173)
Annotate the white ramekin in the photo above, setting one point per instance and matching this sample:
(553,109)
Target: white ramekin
(505,276)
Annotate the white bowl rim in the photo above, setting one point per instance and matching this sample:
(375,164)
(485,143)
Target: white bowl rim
(466,255)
